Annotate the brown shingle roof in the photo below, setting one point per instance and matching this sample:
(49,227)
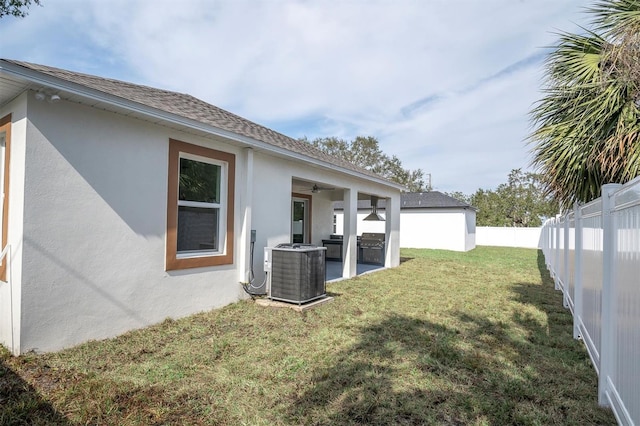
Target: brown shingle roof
(187,106)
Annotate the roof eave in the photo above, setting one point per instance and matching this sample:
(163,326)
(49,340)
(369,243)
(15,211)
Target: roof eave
(56,83)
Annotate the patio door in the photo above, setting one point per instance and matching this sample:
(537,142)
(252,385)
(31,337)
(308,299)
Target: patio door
(300,219)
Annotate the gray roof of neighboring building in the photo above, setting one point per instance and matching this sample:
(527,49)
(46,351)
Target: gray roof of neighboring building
(431,199)
(416,200)
(189,107)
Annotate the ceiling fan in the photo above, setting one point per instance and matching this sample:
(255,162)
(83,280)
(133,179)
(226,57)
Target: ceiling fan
(315,189)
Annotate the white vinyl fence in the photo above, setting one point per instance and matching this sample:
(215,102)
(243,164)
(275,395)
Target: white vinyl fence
(512,236)
(593,254)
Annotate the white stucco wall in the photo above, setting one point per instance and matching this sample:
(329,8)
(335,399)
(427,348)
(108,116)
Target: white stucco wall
(94,229)
(508,236)
(362,225)
(444,229)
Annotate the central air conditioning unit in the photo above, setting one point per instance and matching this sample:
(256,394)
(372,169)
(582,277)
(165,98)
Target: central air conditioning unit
(296,272)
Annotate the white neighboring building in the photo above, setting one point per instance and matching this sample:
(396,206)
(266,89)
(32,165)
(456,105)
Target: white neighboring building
(430,220)
(125,204)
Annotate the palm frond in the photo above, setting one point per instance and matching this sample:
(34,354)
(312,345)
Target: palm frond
(586,127)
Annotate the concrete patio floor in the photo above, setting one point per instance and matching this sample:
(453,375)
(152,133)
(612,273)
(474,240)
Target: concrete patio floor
(334,269)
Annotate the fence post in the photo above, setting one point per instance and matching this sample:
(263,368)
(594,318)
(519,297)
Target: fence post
(545,241)
(567,247)
(608,326)
(577,275)
(556,260)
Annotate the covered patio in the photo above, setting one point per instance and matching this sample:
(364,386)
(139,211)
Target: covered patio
(313,220)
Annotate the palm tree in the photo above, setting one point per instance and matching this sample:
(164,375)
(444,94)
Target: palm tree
(586,127)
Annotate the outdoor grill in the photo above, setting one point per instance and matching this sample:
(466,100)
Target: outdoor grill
(372,248)
(334,247)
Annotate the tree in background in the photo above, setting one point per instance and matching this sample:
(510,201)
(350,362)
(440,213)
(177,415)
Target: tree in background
(586,127)
(519,202)
(460,196)
(365,152)
(16,8)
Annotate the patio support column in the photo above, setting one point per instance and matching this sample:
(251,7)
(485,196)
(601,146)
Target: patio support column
(392,231)
(245,195)
(349,246)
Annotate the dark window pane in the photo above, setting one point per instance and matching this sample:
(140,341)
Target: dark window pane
(199,181)
(197,228)
(298,210)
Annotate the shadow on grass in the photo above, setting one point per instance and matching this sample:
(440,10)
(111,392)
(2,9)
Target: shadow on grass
(548,300)
(20,403)
(482,371)
(359,388)
(545,277)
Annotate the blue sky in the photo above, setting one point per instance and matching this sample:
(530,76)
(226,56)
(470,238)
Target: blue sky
(446,85)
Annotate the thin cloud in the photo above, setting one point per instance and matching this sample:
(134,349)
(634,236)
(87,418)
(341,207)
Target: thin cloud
(421,104)
(431,101)
(533,60)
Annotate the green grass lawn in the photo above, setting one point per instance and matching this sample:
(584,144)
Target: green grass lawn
(446,338)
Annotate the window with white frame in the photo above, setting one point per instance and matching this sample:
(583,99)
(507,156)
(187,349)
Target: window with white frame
(201,219)
(200,206)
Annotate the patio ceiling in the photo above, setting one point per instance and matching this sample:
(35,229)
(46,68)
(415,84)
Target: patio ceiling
(304,186)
